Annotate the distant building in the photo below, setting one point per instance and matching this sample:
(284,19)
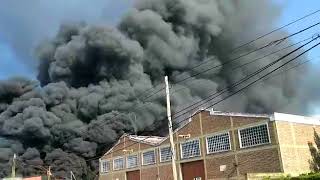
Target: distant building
(216,145)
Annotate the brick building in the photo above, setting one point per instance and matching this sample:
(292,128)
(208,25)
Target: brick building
(216,145)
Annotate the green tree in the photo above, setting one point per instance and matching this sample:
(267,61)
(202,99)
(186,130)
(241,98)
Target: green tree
(315,153)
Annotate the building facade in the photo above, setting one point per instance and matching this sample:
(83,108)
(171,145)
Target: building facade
(216,145)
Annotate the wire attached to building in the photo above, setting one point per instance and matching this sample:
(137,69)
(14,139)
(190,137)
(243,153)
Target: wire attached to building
(235,49)
(238,91)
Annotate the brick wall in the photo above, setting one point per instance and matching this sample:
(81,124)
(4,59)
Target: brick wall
(119,175)
(149,173)
(127,144)
(238,161)
(105,177)
(259,161)
(213,167)
(293,141)
(165,172)
(212,124)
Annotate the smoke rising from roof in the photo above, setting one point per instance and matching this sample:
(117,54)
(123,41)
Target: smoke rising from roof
(90,77)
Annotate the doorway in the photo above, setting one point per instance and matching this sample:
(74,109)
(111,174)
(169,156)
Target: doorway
(193,170)
(133,175)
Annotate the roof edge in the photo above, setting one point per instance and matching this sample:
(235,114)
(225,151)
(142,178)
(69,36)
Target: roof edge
(295,118)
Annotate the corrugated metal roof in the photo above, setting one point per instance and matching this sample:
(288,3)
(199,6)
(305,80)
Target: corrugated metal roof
(151,140)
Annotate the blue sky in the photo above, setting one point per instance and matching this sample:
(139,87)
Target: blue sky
(23,24)
(17,60)
(106,11)
(293,9)
(10,65)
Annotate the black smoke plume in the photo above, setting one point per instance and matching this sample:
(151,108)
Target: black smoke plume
(91,78)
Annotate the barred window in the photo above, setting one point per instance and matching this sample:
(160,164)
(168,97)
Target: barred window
(190,149)
(105,166)
(118,163)
(132,161)
(148,157)
(165,154)
(254,136)
(218,143)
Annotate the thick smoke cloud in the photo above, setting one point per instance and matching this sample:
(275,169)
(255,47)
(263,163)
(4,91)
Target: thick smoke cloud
(91,77)
(24,23)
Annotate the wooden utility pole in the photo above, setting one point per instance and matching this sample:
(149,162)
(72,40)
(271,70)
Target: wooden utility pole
(173,151)
(72,176)
(49,173)
(13,167)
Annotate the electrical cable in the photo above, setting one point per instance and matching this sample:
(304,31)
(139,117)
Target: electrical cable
(277,29)
(254,60)
(142,140)
(239,82)
(275,42)
(250,84)
(247,43)
(259,79)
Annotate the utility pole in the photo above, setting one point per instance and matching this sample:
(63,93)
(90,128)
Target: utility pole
(49,173)
(13,167)
(173,151)
(72,176)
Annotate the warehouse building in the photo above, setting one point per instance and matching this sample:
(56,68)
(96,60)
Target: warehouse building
(216,145)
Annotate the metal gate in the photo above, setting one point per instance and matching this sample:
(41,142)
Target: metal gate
(133,175)
(193,170)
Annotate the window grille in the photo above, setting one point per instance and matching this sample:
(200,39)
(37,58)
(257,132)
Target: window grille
(118,163)
(105,166)
(132,161)
(218,143)
(254,136)
(165,154)
(148,157)
(190,149)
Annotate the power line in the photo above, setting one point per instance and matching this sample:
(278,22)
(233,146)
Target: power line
(261,78)
(277,29)
(152,94)
(275,42)
(254,60)
(289,69)
(274,52)
(251,74)
(39,167)
(250,84)
(218,93)
(262,36)
(242,45)
(250,52)
(142,140)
